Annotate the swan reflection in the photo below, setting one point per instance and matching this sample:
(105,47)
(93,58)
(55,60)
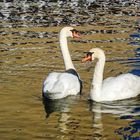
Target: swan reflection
(61,105)
(125,109)
(97,119)
(120,108)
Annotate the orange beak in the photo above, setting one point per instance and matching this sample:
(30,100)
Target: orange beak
(87,58)
(75,35)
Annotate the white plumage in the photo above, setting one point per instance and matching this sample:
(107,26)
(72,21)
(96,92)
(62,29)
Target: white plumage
(121,87)
(113,88)
(59,85)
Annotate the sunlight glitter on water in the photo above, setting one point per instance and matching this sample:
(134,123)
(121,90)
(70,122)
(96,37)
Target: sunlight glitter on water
(29,49)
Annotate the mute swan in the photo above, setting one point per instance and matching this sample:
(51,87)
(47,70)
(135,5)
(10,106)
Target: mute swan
(59,85)
(113,88)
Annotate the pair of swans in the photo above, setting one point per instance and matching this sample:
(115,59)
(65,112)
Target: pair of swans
(59,85)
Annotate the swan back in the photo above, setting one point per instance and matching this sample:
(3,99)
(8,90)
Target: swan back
(121,87)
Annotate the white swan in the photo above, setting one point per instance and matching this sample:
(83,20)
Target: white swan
(59,85)
(113,88)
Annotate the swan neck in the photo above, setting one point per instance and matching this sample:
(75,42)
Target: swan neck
(65,52)
(97,79)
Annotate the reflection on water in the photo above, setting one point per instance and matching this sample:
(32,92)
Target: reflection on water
(132,130)
(135,42)
(135,39)
(122,108)
(29,51)
(125,110)
(62,105)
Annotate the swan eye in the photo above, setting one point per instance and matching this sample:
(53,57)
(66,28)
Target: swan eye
(74,31)
(90,54)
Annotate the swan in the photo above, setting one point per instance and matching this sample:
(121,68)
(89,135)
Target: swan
(113,88)
(59,85)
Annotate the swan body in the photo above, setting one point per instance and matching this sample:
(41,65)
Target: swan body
(113,88)
(59,85)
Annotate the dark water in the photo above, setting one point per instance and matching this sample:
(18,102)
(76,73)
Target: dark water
(27,13)
(29,51)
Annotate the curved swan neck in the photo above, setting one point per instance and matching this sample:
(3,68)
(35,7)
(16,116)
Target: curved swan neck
(97,79)
(65,51)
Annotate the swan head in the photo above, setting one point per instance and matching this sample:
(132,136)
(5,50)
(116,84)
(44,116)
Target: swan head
(93,54)
(69,32)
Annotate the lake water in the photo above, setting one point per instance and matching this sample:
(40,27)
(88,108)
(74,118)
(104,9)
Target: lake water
(29,50)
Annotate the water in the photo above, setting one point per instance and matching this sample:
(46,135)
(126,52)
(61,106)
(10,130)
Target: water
(29,51)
